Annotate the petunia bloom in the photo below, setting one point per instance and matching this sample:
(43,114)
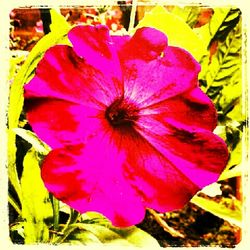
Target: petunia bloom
(128,125)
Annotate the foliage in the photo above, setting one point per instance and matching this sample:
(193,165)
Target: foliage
(228,209)
(217,45)
(159,18)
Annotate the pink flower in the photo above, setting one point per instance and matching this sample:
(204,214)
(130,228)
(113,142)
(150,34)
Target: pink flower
(128,125)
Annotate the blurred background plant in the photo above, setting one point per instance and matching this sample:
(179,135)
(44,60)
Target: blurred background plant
(214,216)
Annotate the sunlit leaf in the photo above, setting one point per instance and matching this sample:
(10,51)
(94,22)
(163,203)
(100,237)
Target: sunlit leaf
(236,155)
(112,236)
(36,206)
(230,96)
(231,20)
(212,190)
(93,233)
(19,228)
(225,66)
(32,138)
(222,22)
(137,237)
(236,171)
(16,94)
(133,235)
(178,32)
(233,168)
(17,58)
(14,204)
(230,210)
(221,132)
(237,112)
(189,14)
(82,237)
(58,23)
(27,70)
(94,217)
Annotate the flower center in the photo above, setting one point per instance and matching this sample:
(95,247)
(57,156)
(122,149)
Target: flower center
(122,113)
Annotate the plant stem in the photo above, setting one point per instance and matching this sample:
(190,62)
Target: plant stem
(132,16)
(164,225)
(61,236)
(55,205)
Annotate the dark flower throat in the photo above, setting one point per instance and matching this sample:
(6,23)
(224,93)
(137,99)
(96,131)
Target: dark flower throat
(122,113)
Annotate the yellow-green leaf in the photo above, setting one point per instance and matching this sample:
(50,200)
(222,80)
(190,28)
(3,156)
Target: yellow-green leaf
(137,237)
(59,23)
(109,235)
(225,67)
(36,206)
(32,138)
(208,31)
(188,13)
(16,91)
(237,113)
(230,210)
(234,167)
(178,32)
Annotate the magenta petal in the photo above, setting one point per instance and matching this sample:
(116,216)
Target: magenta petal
(162,186)
(120,41)
(62,74)
(60,123)
(146,44)
(194,109)
(178,57)
(91,178)
(95,46)
(172,72)
(198,153)
(162,83)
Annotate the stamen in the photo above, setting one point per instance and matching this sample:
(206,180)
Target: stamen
(122,113)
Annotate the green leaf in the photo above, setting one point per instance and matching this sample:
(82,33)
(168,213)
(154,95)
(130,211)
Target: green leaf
(18,227)
(233,168)
(92,233)
(28,68)
(14,204)
(228,173)
(58,23)
(231,20)
(134,235)
(16,93)
(221,132)
(223,74)
(82,237)
(189,14)
(32,138)
(229,210)
(93,217)
(177,30)
(212,190)
(137,237)
(222,22)
(230,97)
(237,112)
(18,57)
(225,66)
(12,171)
(208,31)
(36,205)
(111,236)
(105,234)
